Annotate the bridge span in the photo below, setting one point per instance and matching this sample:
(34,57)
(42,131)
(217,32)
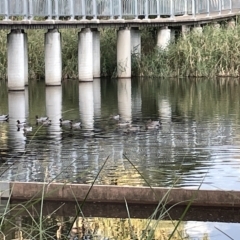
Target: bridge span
(90,15)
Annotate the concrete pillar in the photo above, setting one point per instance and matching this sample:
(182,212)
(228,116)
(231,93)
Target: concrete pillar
(86,102)
(17,62)
(96,53)
(185,30)
(53,57)
(231,24)
(163,37)
(125,99)
(136,41)
(124,53)
(197,29)
(172,35)
(25,60)
(85,55)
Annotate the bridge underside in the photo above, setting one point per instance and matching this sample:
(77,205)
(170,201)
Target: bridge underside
(96,23)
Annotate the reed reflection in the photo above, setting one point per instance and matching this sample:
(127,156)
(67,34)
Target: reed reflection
(86,103)
(97,97)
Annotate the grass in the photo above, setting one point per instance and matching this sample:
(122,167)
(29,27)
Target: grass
(27,221)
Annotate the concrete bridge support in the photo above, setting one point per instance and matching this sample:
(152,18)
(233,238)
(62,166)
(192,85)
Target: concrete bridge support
(185,30)
(53,58)
(136,41)
(85,55)
(124,53)
(17,60)
(197,29)
(96,53)
(163,37)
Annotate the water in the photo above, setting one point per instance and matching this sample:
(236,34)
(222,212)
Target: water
(198,142)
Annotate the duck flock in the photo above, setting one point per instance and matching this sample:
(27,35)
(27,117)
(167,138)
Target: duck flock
(45,121)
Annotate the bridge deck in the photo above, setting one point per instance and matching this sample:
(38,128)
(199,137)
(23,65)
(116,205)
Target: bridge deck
(95,23)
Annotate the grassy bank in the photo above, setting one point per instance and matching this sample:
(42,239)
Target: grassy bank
(213,53)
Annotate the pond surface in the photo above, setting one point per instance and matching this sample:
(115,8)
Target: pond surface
(198,142)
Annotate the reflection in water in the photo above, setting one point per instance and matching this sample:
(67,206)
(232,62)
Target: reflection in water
(199,137)
(125,99)
(86,103)
(16,139)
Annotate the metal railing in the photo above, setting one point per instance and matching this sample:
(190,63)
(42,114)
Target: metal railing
(112,9)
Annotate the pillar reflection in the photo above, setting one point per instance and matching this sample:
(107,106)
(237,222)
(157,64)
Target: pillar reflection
(54,109)
(86,103)
(17,106)
(125,99)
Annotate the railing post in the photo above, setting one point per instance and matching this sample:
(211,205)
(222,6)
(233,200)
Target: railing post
(30,9)
(158,9)
(25,10)
(208,7)
(94,9)
(220,6)
(185,8)
(72,12)
(193,9)
(136,9)
(111,9)
(171,9)
(83,10)
(230,6)
(6,10)
(120,9)
(49,9)
(56,10)
(146,9)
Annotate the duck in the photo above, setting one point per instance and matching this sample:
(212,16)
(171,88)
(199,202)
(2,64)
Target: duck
(116,117)
(132,129)
(4,117)
(27,129)
(75,125)
(65,122)
(47,122)
(41,119)
(153,124)
(20,124)
(124,123)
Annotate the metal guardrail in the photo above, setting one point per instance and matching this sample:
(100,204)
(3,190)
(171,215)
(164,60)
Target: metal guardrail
(112,9)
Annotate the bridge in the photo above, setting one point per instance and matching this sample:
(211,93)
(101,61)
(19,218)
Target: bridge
(89,16)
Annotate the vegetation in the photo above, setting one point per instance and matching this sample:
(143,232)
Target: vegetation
(217,56)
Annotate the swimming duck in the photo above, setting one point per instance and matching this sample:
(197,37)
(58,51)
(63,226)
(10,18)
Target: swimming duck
(152,124)
(124,123)
(20,124)
(65,122)
(132,129)
(41,119)
(116,117)
(27,129)
(47,122)
(75,125)
(4,117)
